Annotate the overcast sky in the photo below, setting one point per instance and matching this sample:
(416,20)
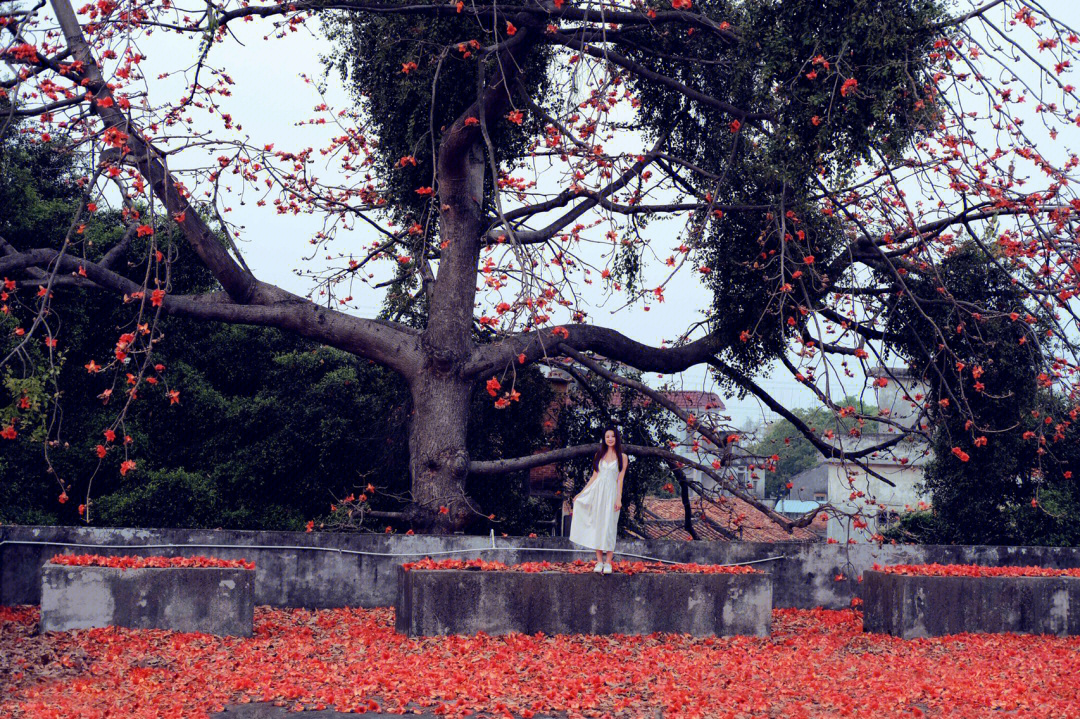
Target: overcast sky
(270,97)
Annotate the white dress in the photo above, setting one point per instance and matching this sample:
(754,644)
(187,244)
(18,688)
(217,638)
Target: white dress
(595,520)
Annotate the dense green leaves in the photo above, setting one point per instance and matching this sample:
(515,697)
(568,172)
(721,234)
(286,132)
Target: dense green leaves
(1006,460)
(411,77)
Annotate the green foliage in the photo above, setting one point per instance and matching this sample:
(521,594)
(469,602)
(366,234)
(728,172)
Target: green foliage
(408,111)
(519,433)
(882,44)
(819,126)
(162,498)
(988,405)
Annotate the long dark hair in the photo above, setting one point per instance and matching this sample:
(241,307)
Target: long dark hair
(603,448)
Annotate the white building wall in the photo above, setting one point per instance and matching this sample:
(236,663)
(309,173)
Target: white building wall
(902,397)
(843,480)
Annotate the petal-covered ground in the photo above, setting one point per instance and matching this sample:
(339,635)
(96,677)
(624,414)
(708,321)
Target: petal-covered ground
(816,664)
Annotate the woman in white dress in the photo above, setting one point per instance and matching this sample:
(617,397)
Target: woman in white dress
(596,507)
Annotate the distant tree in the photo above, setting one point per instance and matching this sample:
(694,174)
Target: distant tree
(794,452)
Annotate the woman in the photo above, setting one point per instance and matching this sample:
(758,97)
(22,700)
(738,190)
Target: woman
(596,508)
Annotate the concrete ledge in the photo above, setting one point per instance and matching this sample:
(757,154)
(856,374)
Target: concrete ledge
(322,569)
(439,602)
(183,599)
(912,606)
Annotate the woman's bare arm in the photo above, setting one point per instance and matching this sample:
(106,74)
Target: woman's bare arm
(622,473)
(592,479)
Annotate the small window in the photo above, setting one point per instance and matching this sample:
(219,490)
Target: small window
(887,519)
(819,496)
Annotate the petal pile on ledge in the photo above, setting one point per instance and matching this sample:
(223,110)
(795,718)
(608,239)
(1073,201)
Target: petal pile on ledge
(578,567)
(127,562)
(973,570)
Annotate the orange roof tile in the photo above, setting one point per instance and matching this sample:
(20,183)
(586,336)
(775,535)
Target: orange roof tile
(733,519)
(682,399)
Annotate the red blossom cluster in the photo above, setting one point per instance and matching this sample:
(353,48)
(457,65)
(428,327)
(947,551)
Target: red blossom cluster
(817,664)
(974,570)
(577,567)
(128,562)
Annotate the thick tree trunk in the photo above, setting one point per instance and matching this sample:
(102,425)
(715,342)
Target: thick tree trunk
(438,459)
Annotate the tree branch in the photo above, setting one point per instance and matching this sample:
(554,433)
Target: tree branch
(390,344)
(601,340)
(564,454)
(642,71)
(593,199)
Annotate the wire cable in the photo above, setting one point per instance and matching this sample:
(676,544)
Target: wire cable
(481,550)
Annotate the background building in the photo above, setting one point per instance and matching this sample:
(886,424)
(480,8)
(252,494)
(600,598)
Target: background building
(851,488)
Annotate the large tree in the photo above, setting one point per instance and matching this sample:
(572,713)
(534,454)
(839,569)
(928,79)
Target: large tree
(811,159)
(267,442)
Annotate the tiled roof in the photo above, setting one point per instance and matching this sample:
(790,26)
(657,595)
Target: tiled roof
(683,400)
(727,519)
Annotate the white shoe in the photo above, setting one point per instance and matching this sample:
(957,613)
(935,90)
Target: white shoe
(607,568)
(599,567)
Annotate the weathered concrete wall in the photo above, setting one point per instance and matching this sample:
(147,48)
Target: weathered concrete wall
(435,603)
(212,600)
(293,570)
(914,606)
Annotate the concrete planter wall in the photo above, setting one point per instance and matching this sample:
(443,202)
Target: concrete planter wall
(439,602)
(316,570)
(183,599)
(911,606)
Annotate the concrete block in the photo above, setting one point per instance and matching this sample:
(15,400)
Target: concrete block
(183,599)
(911,606)
(440,602)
